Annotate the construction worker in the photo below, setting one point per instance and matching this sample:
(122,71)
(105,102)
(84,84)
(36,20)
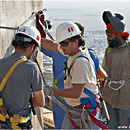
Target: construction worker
(58,81)
(117,65)
(20,78)
(80,78)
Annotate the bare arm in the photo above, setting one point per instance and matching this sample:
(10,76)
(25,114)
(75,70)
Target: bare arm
(38,98)
(74,92)
(49,45)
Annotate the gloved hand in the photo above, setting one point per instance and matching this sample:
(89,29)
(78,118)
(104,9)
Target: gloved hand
(40,16)
(48,91)
(46,23)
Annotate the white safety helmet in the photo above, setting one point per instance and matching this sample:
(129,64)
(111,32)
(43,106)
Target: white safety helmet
(66,30)
(32,32)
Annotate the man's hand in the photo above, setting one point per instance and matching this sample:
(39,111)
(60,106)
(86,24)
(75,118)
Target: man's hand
(48,91)
(40,17)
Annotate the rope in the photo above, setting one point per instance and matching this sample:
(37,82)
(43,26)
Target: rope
(16,28)
(11,28)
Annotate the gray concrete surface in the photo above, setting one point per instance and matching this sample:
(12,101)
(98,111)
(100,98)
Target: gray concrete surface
(13,14)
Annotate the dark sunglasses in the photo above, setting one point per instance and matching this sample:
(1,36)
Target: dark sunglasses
(64,43)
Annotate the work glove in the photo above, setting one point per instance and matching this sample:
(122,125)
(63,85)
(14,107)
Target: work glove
(48,91)
(46,23)
(40,16)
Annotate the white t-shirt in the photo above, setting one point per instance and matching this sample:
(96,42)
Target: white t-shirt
(81,72)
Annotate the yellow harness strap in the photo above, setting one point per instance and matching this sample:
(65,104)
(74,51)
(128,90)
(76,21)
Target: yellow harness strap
(2,84)
(4,115)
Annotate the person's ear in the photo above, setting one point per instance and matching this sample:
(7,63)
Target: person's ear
(31,48)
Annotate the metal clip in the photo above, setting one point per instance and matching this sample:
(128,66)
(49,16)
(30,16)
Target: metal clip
(15,118)
(122,82)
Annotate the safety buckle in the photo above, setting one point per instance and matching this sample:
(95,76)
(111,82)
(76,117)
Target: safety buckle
(121,82)
(15,118)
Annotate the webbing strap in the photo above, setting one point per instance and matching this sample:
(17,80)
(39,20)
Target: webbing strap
(94,119)
(98,123)
(72,121)
(55,81)
(60,75)
(90,63)
(88,60)
(4,116)
(2,84)
(93,96)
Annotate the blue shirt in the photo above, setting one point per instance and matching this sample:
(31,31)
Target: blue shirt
(58,66)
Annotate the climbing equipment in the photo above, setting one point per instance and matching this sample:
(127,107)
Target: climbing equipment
(16,28)
(56,80)
(43,25)
(92,102)
(15,121)
(122,83)
(66,30)
(94,57)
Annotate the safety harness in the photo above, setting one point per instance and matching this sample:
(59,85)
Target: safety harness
(15,121)
(92,102)
(121,83)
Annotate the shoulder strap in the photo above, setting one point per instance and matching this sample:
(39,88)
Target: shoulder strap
(90,63)
(5,79)
(74,62)
(4,115)
(94,57)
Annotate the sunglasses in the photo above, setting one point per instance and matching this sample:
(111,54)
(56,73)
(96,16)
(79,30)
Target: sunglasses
(64,43)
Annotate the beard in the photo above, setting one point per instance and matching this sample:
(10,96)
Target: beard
(114,43)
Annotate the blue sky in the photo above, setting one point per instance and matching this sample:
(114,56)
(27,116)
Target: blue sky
(85,8)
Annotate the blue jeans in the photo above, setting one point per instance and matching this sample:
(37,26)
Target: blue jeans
(118,118)
(67,124)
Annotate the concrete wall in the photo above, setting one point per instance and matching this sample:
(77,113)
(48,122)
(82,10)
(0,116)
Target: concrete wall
(13,14)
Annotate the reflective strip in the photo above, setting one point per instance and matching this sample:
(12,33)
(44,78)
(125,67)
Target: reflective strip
(55,81)
(108,51)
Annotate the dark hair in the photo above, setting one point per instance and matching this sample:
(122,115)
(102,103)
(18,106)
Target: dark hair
(80,39)
(18,41)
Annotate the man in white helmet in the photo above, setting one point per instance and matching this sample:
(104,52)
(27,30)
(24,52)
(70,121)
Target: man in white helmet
(117,65)
(24,81)
(80,77)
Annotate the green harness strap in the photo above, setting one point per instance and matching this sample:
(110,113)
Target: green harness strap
(11,121)
(55,81)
